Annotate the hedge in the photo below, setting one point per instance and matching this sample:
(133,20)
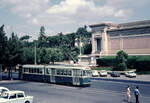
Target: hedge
(140,63)
(106,61)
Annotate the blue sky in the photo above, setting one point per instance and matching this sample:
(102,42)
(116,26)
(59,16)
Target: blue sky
(25,17)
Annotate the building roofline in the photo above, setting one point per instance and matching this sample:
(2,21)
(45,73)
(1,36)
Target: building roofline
(102,24)
(135,23)
(122,25)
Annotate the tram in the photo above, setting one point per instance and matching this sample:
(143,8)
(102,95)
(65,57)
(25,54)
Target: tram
(61,74)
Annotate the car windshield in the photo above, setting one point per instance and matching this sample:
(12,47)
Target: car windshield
(5,95)
(131,72)
(103,71)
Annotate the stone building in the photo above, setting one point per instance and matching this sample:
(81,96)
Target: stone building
(109,38)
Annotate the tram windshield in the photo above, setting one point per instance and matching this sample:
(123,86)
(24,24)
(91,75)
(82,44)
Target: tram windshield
(86,73)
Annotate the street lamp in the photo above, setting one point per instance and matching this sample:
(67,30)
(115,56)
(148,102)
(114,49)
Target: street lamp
(35,53)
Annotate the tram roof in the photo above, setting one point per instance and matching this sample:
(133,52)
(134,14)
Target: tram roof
(57,66)
(33,66)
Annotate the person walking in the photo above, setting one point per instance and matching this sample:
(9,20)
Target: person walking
(128,94)
(137,94)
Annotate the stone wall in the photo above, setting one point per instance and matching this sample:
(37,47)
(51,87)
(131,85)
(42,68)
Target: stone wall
(132,45)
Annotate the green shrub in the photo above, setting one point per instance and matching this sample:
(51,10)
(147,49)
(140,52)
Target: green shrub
(131,62)
(106,61)
(142,63)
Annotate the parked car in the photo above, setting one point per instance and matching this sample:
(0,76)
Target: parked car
(103,73)
(130,74)
(16,97)
(95,73)
(3,90)
(115,74)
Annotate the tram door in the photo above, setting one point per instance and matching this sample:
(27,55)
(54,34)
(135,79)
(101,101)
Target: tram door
(53,75)
(76,77)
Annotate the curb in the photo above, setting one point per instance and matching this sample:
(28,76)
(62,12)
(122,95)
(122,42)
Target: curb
(122,80)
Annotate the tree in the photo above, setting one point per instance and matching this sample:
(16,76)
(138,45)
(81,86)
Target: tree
(121,60)
(3,46)
(55,55)
(26,37)
(87,48)
(25,41)
(44,56)
(42,33)
(81,32)
(28,55)
(15,51)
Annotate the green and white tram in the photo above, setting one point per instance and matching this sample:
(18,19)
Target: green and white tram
(62,74)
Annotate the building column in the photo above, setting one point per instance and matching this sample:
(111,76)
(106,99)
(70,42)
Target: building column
(104,42)
(93,43)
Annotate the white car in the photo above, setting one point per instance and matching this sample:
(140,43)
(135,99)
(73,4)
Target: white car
(130,74)
(95,73)
(103,73)
(16,97)
(3,90)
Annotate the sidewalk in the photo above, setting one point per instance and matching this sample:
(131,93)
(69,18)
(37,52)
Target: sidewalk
(139,79)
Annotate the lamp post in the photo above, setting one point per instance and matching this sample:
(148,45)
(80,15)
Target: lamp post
(35,53)
(80,47)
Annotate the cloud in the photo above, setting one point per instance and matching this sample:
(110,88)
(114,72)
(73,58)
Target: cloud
(127,3)
(67,15)
(67,6)
(35,21)
(23,7)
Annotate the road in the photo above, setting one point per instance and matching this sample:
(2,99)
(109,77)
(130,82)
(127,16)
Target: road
(99,92)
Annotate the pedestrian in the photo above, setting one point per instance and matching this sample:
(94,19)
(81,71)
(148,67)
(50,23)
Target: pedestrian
(128,94)
(137,94)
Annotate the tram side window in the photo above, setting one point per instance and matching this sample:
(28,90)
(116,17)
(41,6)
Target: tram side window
(30,70)
(40,71)
(58,72)
(79,73)
(65,72)
(26,70)
(61,72)
(69,73)
(48,71)
(34,70)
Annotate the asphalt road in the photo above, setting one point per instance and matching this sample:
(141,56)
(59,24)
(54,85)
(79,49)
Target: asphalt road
(99,92)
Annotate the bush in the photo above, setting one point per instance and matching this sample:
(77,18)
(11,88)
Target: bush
(142,63)
(106,61)
(131,62)
(121,60)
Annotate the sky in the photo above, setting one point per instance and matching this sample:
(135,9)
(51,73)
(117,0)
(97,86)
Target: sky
(25,17)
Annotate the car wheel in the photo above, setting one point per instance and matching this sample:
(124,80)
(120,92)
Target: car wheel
(27,102)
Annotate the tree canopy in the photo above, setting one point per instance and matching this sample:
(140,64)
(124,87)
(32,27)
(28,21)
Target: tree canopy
(3,46)
(121,60)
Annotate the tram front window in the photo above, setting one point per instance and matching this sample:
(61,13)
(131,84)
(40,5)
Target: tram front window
(86,73)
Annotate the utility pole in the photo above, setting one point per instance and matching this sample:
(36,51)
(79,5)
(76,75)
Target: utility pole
(80,47)
(35,54)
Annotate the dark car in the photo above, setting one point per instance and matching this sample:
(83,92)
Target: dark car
(115,74)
